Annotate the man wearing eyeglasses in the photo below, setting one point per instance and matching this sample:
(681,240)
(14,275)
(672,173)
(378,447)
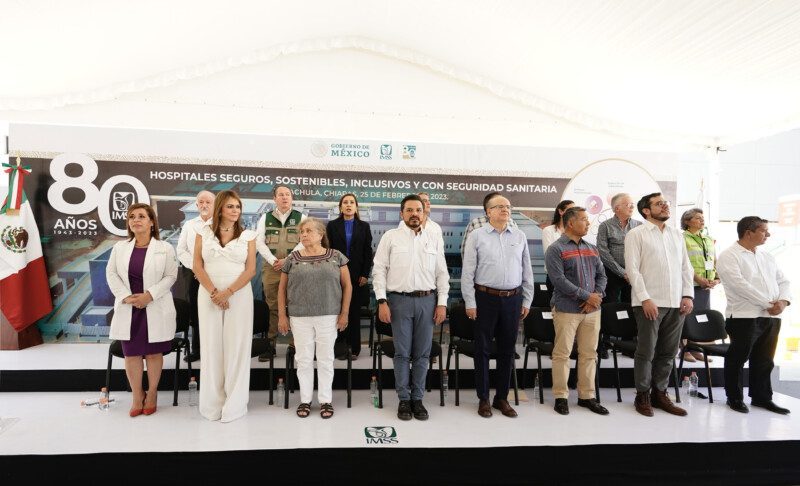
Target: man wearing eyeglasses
(497,286)
(611,245)
(662,293)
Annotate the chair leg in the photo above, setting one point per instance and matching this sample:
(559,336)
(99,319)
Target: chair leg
(372,340)
(539,376)
(525,366)
(616,372)
(597,378)
(516,385)
(349,378)
(177,374)
(379,353)
(271,378)
(286,381)
(708,377)
(441,383)
(449,352)
(675,379)
(108,370)
(458,385)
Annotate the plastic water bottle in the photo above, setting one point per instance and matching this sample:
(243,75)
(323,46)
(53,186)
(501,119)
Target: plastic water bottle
(445,383)
(193,398)
(535,386)
(103,401)
(693,381)
(281,392)
(373,391)
(686,386)
(91,402)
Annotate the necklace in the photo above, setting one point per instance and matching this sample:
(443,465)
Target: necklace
(225,229)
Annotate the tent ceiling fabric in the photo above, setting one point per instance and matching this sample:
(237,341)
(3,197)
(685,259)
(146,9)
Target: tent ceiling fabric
(701,72)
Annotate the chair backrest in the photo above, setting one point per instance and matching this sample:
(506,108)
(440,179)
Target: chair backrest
(616,320)
(183,314)
(461,326)
(704,326)
(381,328)
(539,325)
(542,296)
(260,316)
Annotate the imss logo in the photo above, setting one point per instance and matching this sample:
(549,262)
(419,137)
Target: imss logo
(382,434)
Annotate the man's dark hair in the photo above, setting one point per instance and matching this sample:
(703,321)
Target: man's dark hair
(410,197)
(276,187)
(749,223)
(488,198)
(570,214)
(644,202)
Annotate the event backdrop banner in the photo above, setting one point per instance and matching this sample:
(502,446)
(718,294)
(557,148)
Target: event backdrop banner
(80,202)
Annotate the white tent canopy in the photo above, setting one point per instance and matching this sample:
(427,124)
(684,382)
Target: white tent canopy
(649,73)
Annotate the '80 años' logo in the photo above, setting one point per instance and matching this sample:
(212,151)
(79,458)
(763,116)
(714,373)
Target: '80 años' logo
(112,206)
(382,434)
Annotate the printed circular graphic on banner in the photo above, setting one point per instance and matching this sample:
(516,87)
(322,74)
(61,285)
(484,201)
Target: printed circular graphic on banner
(594,186)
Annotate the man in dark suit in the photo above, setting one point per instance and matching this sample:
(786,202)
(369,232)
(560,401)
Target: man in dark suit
(353,238)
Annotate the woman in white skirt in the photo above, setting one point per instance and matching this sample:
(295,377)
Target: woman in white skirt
(224,263)
(314,301)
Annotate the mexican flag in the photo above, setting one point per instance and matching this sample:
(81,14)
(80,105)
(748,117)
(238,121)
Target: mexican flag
(24,289)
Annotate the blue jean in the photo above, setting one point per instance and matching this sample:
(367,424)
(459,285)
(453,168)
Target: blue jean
(412,334)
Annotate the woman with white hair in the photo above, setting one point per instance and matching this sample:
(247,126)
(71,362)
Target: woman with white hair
(314,301)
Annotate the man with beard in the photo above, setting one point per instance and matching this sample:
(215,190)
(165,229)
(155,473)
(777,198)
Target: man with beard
(411,283)
(662,292)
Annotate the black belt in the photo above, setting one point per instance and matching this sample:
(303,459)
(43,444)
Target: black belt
(499,293)
(415,293)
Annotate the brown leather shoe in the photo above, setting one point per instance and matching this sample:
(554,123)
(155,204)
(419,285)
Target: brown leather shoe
(485,409)
(661,400)
(504,407)
(642,404)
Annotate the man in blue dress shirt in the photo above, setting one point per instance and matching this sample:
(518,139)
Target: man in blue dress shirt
(497,286)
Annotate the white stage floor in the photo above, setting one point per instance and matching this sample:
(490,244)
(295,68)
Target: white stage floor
(54,423)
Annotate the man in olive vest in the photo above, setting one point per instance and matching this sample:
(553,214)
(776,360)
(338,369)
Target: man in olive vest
(277,237)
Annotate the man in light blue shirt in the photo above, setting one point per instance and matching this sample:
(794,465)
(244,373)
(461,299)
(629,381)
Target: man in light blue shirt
(497,286)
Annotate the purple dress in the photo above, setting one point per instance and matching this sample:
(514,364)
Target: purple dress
(138,344)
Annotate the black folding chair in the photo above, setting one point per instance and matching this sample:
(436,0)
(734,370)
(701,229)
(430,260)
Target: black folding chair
(261,343)
(540,337)
(183,316)
(462,341)
(386,347)
(291,374)
(618,329)
(703,327)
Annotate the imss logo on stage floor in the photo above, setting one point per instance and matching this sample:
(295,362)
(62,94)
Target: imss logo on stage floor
(382,434)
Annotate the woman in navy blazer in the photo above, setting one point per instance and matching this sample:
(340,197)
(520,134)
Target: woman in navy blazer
(353,238)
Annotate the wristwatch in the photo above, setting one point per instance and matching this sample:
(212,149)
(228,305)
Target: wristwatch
(381,301)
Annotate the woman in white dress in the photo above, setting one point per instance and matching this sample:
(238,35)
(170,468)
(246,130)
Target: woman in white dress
(224,263)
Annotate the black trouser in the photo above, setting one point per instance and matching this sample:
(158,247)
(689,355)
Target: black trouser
(617,289)
(193,285)
(352,333)
(498,320)
(754,339)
